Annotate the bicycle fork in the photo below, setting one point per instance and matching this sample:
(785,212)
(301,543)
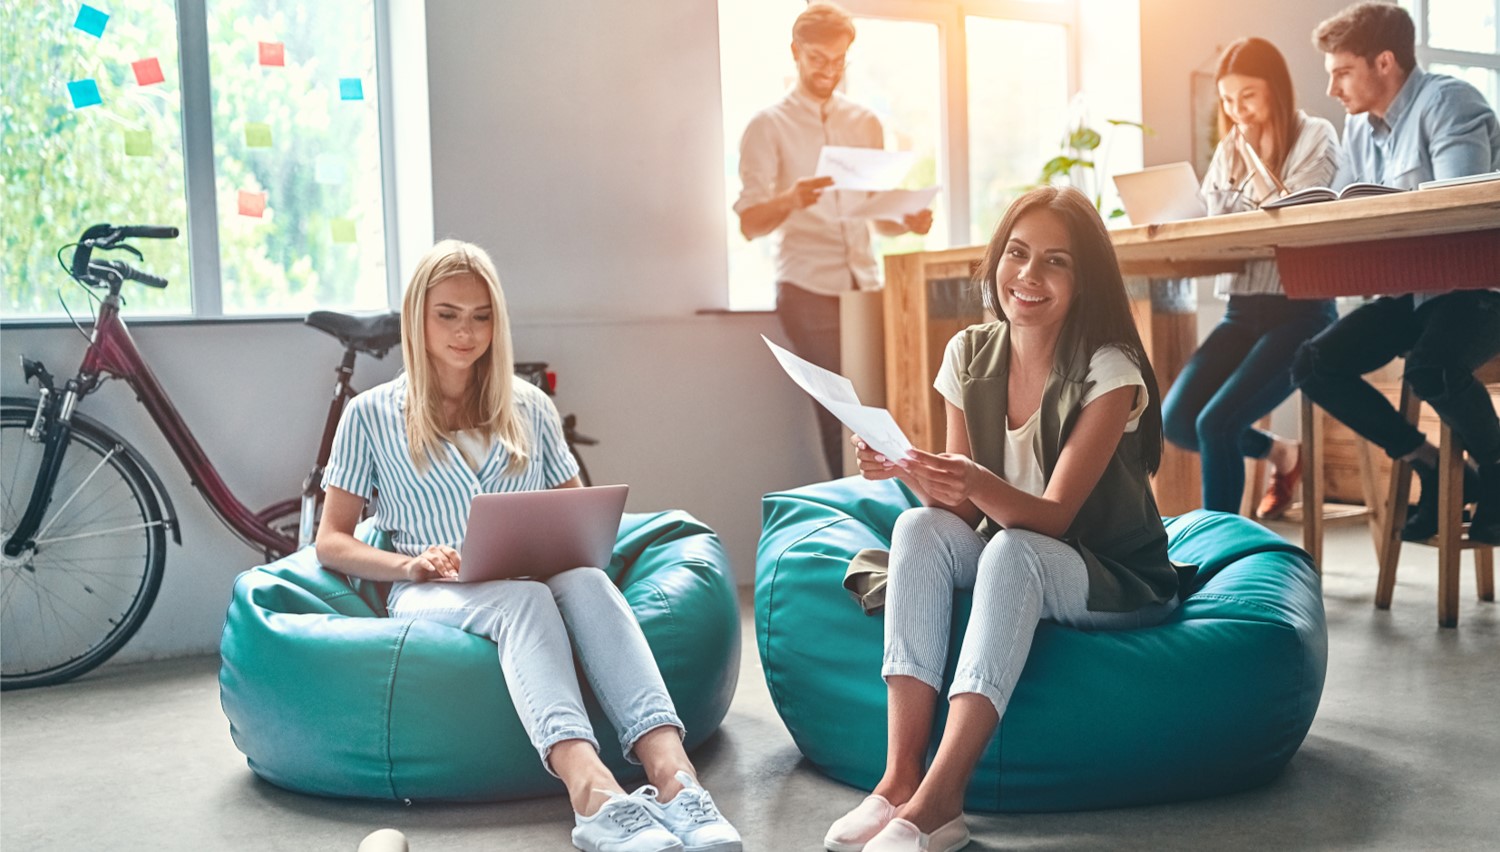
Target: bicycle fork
(51,427)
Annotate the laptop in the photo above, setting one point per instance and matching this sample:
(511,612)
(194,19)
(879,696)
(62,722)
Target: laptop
(540,533)
(1161,194)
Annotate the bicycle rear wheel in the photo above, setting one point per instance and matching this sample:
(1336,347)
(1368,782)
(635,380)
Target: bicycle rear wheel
(69,602)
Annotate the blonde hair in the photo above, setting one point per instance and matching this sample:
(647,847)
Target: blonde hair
(490,405)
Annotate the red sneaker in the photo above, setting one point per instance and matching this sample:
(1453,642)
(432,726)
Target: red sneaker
(1278,497)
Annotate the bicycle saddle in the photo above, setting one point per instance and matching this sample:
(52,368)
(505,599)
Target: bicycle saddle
(370,334)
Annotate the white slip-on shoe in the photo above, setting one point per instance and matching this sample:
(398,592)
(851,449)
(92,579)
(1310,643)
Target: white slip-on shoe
(850,832)
(899,835)
(624,824)
(693,817)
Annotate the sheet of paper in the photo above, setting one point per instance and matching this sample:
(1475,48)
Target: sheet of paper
(824,385)
(863,168)
(875,426)
(891,204)
(834,392)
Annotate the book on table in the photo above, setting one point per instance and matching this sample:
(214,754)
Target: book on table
(1316,194)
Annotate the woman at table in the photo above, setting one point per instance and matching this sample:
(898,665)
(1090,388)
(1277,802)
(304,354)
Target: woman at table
(1042,505)
(457,424)
(1243,370)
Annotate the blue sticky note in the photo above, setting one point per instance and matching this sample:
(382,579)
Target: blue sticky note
(91,20)
(328,169)
(351,89)
(84,93)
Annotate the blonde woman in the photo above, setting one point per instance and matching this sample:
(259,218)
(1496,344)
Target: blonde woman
(457,424)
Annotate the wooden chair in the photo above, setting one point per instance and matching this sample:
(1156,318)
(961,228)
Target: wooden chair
(1450,539)
(1315,511)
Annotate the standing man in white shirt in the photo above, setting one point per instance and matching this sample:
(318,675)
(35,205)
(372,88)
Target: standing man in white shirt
(818,254)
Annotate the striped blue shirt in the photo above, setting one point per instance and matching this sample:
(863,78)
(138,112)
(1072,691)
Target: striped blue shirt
(418,510)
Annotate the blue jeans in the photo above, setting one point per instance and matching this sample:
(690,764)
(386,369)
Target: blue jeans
(1444,340)
(1239,375)
(530,623)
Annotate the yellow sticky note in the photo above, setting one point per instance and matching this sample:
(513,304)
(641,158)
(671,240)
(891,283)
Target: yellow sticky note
(137,143)
(343,230)
(257,135)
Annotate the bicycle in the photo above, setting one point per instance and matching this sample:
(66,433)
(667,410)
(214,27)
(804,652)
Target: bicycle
(78,586)
(83,563)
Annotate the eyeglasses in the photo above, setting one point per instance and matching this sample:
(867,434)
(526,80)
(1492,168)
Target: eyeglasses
(819,62)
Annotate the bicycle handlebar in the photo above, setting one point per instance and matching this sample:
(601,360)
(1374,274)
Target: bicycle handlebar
(126,272)
(105,236)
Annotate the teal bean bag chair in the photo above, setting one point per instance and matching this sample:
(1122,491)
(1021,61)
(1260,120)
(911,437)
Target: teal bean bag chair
(327,695)
(1213,701)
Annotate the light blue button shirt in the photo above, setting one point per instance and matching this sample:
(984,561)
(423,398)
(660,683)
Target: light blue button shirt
(422,508)
(1436,127)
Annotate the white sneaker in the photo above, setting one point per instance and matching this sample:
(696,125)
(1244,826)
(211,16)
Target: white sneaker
(624,824)
(692,816)
(899,835)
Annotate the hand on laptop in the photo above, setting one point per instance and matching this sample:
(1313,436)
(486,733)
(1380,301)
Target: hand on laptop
(439,562)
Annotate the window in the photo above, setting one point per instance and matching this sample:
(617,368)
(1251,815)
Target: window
(252,125)
(981,91)
(1461,38)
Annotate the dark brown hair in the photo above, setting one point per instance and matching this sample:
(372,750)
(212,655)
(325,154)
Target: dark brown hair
(822,22)
(1368,30)
(1100,313)
(1258,58)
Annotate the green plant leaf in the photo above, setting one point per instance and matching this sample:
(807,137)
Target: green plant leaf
(1084,138)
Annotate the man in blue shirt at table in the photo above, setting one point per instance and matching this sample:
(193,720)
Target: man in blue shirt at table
(1406,126)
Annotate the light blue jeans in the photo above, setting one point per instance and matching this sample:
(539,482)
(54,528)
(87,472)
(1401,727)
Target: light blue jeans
(1019,578)
(530,622)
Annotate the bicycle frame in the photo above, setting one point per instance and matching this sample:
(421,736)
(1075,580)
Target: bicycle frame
(112,351)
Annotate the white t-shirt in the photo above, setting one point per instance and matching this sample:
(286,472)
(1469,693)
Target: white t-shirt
(1109,369)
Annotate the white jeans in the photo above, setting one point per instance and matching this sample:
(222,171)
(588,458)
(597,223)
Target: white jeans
(530,623)
(1018,577)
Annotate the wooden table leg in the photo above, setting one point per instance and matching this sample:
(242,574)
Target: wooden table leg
(1174,338)
(1484,572)
(1313,482)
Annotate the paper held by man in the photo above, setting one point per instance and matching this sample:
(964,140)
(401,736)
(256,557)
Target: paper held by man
(867,181)
(875,426)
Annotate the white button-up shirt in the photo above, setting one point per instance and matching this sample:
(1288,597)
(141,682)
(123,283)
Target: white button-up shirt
(815,249)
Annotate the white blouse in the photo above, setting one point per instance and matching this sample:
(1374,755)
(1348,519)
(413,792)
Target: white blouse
(1109,369)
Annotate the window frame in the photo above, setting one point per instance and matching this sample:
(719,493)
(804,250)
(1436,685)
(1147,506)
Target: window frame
(950,17)
(202,231)
(1427,55)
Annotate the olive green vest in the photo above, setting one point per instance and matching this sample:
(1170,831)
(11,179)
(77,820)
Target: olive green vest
(1118,530)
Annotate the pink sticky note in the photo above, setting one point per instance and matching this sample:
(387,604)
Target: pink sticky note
(272,53)
(252,203)
(147,71)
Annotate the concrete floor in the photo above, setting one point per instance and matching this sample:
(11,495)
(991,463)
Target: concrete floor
(1404,755)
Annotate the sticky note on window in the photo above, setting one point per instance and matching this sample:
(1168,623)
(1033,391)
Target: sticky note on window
(328,169)
(257,135)
(272,53)
(147,72)
(91,20)
(351,89)
(343,230)
(252,203)
(84,93)
(137,143)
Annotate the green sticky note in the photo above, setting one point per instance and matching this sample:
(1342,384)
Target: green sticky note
(257,135)
(137,143)
(343,230)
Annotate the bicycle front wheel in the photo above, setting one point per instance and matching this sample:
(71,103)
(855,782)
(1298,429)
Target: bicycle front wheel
(70,600)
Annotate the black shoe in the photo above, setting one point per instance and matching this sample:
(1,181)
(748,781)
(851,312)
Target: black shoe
(1422,520)
(1486,525)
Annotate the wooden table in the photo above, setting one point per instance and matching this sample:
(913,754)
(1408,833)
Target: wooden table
(921,287)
